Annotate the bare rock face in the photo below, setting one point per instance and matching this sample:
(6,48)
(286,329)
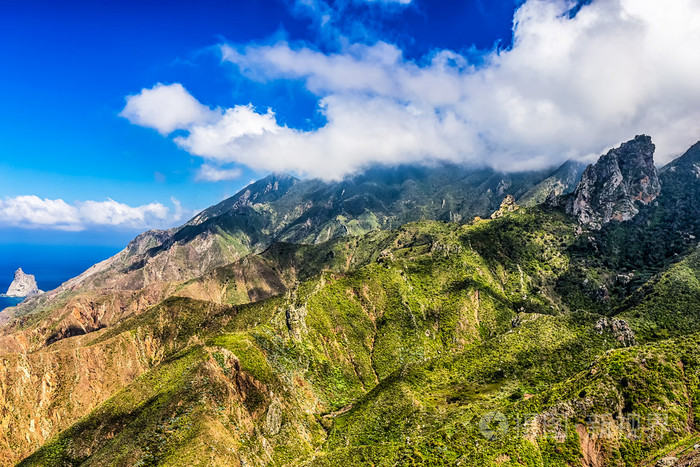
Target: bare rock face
(667,462)
(552,199)
(296,322)
(618,328)
(611,189)
(508,205)
(24,285)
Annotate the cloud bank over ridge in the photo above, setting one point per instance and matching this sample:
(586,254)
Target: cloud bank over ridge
(568,87)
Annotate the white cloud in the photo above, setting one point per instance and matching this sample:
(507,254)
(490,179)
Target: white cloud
(36,211)
(209,173)
(166,108)
(236,125)
(111,212)
(31,211)
(568,87)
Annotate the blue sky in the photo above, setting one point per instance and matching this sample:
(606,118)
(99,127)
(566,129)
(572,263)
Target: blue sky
(223,92)
(68,67)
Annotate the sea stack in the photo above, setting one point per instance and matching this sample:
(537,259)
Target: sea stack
(23,285)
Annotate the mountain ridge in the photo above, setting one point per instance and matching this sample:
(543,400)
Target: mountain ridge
(237,226)
(386,346)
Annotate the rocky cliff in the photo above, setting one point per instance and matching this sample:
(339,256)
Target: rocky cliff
(23,285)
(613,188)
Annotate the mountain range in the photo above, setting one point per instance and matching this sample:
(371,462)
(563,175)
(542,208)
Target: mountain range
(386,319)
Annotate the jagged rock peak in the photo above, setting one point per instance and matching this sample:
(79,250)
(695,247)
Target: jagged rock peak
(23,285)
(611,189)
(507,205)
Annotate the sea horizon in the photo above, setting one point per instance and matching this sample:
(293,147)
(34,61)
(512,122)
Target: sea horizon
(51,265)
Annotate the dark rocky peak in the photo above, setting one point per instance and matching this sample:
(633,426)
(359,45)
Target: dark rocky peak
(613,188)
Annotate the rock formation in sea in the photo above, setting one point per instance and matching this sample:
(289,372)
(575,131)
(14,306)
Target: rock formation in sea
(23,285)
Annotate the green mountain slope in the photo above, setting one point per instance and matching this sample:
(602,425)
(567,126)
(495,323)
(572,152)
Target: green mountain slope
(423,291)
(669,304)
(395,358)
(623,409)
(528,339)
(276,208)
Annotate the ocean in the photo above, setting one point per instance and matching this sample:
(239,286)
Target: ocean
(52,265)
(8,302)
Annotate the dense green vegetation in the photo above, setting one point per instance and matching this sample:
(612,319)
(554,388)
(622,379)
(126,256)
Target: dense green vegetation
(668,305)
(425,290)
(389,349)
(479,343)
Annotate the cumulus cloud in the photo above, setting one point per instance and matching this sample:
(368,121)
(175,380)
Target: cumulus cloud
(209,173)
(166,108)
(568,87)
(31,211)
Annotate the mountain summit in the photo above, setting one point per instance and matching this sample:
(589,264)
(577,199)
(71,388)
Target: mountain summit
(611,189)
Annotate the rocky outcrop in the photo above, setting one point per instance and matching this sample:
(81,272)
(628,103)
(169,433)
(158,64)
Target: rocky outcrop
(618,328)
(508,205)
(667,462)
(612,188)
(296,322)
(23,285)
